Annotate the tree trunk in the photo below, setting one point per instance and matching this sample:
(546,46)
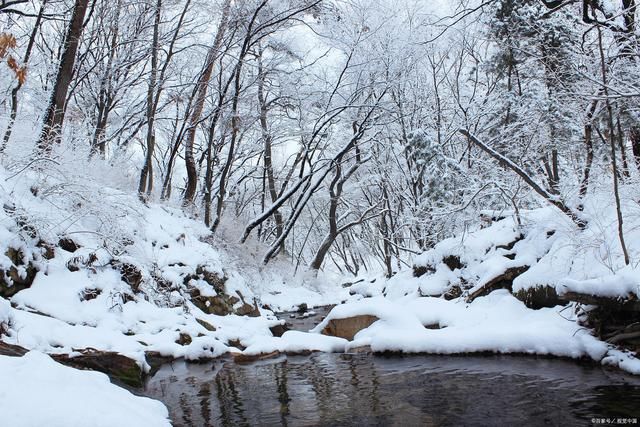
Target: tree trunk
(145,186)
(267,140)
(54,118)
(196,113)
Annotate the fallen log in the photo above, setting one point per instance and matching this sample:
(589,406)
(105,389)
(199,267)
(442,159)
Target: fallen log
(502,281)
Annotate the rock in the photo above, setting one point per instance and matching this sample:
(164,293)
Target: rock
(12,350)
(279,330)
(248,310)
(539,297)
(116,366)
(68,244)
(511,244)
(48,250)
(236,343)
(248,358)
(363,349)
(421,270)
(216,281)
(208,326)
(453,292)
(302,308)
(453,262)
(348,327)
(88,294)
(19,276)
(433,326)
(220,305)
(184,339)
(156,360)
(129,273)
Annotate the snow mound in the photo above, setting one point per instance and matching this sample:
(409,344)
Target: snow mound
(36,391)
(495,323)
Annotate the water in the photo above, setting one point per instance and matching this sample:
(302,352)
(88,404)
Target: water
(363,390)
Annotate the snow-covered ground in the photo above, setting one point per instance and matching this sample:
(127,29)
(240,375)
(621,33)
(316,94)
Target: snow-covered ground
(36,391)
(81,299)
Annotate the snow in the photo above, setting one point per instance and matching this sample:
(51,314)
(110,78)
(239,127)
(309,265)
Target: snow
(622,283)
(496,323)
(37,391)
(295,342)
(166,246)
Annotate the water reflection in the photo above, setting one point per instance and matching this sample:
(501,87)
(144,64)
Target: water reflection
(332,389)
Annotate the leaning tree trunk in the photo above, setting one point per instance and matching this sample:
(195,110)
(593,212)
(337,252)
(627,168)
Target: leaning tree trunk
(196,113)
(54,117)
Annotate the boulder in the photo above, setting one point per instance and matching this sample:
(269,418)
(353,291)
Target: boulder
(116,366)
(248,358)
(279,330)
(220,305)
(248,310)
(68,244)
(348,327)
(18,276)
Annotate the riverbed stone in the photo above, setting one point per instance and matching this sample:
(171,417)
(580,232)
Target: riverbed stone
(348,327)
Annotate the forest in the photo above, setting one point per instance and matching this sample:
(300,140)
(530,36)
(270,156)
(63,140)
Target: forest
(263,180)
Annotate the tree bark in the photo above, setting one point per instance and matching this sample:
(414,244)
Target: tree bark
(54,118)
(145,186)
(196,113)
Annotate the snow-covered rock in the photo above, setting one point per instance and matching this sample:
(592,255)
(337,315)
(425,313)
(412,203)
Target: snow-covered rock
(36,391)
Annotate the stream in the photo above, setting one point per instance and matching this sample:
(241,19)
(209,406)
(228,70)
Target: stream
(364,389)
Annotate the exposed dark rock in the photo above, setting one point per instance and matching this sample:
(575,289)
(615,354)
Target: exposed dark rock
(184,339)
(453,262)
(220,305)
(48,250)
(129,273)
(19,276)
(248,310)
(68,244)
(510,245)
(433,326)
(12,350)
(116,366)
(244,358)
(212,278)
(348,327)
(236,343)
(89,293)
(421,270)
(208,326)
(539,297)
(363,349)
(454,292)
(156,360)
(279,330)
